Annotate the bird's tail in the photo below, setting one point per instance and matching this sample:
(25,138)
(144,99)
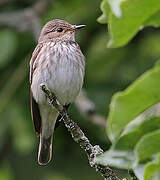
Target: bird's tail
(45,150)
(48,116)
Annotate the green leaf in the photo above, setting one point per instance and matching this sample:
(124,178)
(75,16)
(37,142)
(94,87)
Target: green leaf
(134,14)
(148,170)
(105,9)
(143,124)
(119,159)
(154,20)
(127,105)
(152,167)
(127,18)
(135,130)
(148,145)
(139,171)
(121,154)
(115,6)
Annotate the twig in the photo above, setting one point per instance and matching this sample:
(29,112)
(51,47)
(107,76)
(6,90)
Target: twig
(79,137)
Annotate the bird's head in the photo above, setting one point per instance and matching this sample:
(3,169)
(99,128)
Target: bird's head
(58,30)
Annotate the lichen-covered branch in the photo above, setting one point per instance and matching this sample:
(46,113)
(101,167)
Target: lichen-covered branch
(79,137)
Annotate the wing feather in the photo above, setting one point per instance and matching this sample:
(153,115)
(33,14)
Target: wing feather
(35,113)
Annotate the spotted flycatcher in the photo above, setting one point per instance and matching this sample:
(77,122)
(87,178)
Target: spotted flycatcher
(57,62)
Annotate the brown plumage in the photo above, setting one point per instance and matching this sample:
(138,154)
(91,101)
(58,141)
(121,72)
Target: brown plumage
(57,62)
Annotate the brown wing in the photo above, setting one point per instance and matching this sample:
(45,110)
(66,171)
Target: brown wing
(36,118)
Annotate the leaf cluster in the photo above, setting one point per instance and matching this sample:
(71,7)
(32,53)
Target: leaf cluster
(133,124)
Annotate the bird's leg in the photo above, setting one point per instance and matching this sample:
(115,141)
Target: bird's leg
(48,92)
(52,98)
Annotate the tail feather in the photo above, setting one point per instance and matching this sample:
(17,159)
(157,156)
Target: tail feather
(45,150)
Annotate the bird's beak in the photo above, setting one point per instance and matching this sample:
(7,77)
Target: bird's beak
(79,26)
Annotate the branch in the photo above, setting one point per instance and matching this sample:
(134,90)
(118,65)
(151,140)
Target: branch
(26,19)
(80,138)
(4,2)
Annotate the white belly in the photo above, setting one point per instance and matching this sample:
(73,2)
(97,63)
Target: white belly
(64,75)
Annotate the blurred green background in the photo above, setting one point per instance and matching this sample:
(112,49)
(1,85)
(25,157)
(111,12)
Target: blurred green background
(107,71)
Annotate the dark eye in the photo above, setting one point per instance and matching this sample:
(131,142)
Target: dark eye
(59,30)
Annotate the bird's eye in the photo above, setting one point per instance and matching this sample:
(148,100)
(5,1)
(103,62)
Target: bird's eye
(59,30)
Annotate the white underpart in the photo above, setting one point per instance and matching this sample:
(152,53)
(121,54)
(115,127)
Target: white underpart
(63,74)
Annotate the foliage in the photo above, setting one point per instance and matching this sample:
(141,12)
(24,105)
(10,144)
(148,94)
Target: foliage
(126,18)
(133,124)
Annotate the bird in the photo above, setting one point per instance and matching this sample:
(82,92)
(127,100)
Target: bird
(57,62)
